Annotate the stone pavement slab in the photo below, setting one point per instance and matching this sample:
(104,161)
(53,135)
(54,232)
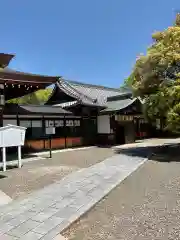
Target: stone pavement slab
(47,212)
(35,175)
(4,198)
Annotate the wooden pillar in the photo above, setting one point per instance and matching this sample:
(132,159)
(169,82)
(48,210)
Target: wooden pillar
(44,131)
(65,135)
(2,103)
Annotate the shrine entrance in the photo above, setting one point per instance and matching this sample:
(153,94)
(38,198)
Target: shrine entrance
(120,134)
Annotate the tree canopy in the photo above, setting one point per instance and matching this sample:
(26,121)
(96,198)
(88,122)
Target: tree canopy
(38,97)
(156,77)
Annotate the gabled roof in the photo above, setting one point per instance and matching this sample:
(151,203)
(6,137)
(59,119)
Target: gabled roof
(96,92)
(118,105)
(88,94)
(121,104)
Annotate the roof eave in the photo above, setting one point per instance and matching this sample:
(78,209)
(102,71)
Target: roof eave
(64,112)
(27,78)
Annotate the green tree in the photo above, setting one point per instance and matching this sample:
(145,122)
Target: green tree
(156,77)
(129,81)
(38,97)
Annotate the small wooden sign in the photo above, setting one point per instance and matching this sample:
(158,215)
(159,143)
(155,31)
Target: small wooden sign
(125,118)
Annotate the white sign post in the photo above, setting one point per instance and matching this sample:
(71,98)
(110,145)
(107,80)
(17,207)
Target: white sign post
(4,158)
(19,157)
(11,136)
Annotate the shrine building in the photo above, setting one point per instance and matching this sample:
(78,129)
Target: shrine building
(82,114)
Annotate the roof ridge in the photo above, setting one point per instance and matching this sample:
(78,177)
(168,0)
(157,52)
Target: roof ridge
(91,85)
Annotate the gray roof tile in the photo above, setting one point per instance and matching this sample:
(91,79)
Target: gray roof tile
(90,94)
(97,92)
(118,105)
(93,95)
(44,109)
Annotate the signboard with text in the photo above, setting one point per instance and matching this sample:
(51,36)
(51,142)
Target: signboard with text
(50,130)
(12,135)
(62,123)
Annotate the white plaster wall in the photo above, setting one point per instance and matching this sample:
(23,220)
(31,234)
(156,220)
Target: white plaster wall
(104,124)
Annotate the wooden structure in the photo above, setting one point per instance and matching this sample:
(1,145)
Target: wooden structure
(124,117)
(85,101)
(109,115)
(36,119)
(15,84)
(82,114)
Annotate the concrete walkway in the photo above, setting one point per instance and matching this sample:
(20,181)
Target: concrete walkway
(46,213)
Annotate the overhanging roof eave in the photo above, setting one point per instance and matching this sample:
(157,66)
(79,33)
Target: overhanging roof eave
(27,78)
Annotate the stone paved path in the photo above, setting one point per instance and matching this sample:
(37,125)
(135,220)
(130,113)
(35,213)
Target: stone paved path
(45,213)
(35,175)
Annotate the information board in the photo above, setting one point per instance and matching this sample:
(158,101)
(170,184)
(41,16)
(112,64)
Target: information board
(50,130)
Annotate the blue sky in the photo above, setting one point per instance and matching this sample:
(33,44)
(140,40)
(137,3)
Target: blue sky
(94,41)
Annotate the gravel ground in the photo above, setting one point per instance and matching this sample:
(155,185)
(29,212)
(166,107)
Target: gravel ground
(146,206)
(40,173)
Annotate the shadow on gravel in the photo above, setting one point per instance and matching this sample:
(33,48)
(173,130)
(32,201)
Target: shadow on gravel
(9,167)
(14,156)
(2,176)
(165,153)
(103,146)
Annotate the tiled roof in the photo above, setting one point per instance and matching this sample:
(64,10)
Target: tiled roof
(89,94)
(119,97)
(92,95)
(44,109)
(118,105)
(71,91)
(96,92)
(36,109)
